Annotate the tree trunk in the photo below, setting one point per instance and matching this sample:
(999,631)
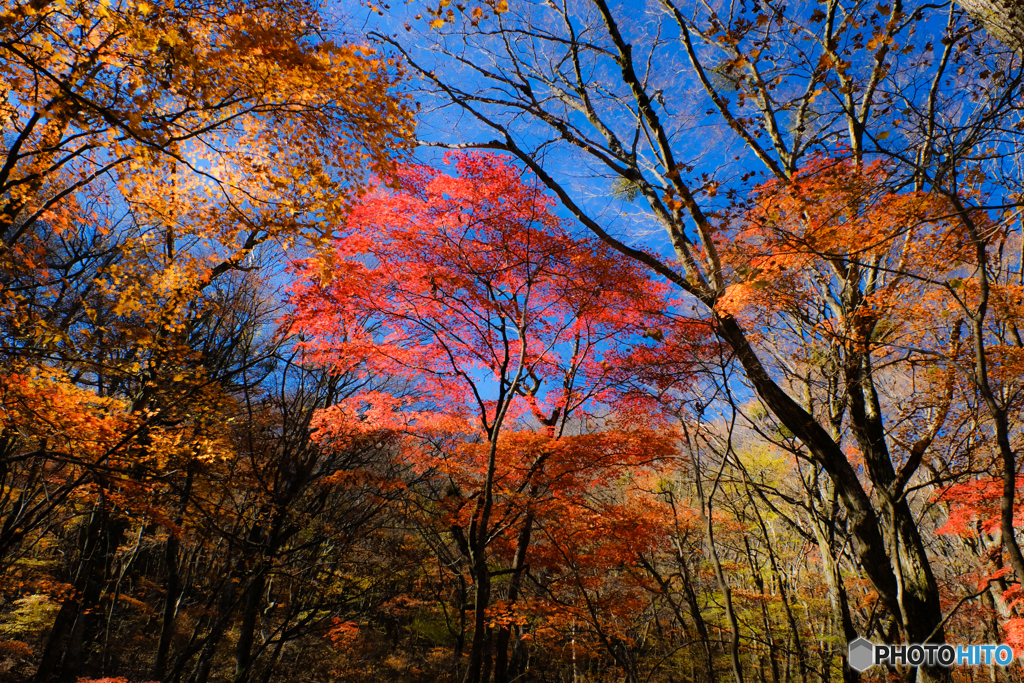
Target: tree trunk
(1003,19)
(220,627)
(841,617)
(501,656)
(63,654)
(904,582)
(172,584)
(478,669)
(247,630)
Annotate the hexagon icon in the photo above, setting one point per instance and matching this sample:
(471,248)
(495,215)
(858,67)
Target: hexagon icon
(862,654)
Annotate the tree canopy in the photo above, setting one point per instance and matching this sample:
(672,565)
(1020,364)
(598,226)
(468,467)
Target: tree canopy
(509,341)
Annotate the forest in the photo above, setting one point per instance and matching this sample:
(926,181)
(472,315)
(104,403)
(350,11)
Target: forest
(582,341)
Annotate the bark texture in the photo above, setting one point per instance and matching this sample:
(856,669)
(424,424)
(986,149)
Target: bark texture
(1003,19)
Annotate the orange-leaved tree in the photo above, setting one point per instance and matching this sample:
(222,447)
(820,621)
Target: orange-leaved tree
(149,150)
(152,152)
(182,136)
(845,282)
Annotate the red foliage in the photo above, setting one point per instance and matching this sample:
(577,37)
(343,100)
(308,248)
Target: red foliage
(974,507)
(469,294)
(481,325)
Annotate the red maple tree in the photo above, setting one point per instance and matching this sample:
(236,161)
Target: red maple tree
(480,320)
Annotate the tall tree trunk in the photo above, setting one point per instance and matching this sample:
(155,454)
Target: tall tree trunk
(172,591)
(172,582)
(501,655)
(63,653)
(706,520)
(696,615)
(690,595)
(1003,19)
(478,667)
(225,607)
(755,573)
(794,628)
(247,629)
(904,581)
(841,618)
